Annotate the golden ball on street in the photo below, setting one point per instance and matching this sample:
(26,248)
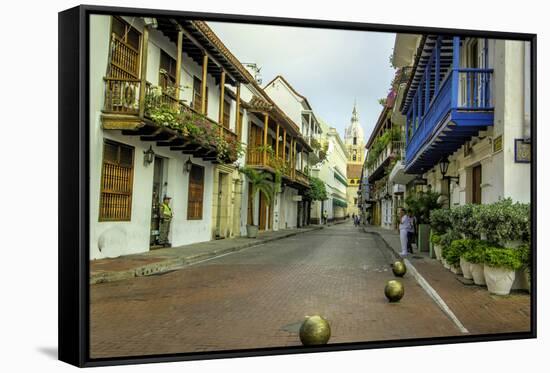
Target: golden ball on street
(399,268)
(394,290)
(315,330)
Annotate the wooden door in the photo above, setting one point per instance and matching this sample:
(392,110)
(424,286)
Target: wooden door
(476,185)
(263,213)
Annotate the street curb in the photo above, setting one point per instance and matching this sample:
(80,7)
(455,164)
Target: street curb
(424,284)
(178,263)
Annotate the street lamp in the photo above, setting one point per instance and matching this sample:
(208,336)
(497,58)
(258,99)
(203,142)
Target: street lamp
(444,167)
(188,165)
(148,156)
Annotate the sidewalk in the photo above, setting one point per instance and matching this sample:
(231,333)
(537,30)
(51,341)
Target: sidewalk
(168,259)
(477,310)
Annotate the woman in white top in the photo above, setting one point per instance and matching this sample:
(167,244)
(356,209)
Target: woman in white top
(404,227)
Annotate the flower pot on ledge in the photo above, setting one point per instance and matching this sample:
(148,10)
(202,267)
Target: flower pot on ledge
(499,280)
(466,268)
(478,274)
(252,231)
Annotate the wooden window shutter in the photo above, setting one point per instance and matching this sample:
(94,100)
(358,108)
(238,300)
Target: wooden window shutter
(124,51)
(196,193)
(116,182)
(226,113)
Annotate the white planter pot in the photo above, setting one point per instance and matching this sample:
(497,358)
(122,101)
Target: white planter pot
(456,270)
(478,274)
(445,264)
(437,250)
(499,280)
(252,231)
(466,268)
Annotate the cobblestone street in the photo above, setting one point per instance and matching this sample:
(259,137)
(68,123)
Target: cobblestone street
(259,296)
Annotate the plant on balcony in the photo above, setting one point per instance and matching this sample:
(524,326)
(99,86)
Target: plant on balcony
(319,153)
(260,182)
(198,127)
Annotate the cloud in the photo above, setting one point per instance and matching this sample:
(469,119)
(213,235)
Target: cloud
(331,68)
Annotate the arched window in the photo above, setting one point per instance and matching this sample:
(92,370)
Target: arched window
(354,157)
(354,140)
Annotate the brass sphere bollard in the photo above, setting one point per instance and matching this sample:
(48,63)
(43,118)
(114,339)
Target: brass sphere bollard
(315,330)
(399,268)
(394,291)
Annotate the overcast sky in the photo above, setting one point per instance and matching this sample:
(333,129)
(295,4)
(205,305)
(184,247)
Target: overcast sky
(329,67)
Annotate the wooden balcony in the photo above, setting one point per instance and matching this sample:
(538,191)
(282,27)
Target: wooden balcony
(446,104)
(255,158)
(125,110)
(393,150)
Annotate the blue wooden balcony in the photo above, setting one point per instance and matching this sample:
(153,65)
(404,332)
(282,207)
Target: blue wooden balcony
(446,104)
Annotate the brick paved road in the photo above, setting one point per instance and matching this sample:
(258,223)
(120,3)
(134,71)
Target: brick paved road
(258,298)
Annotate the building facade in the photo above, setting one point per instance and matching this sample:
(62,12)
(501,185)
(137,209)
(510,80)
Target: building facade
(171,114)
(332,171)
(467,109)
(354,139)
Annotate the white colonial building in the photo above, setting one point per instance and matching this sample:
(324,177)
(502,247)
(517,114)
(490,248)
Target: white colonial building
(171,112)
(467,109)
(332,171)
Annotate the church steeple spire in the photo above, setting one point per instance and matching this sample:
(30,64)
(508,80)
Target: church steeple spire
(354,114)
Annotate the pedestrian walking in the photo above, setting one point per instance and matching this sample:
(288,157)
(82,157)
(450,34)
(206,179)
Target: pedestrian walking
(411,234)
(404,226)
(166,216)
(325,216)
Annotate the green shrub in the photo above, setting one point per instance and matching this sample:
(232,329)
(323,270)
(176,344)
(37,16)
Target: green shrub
(421,204)
(435,238)
(462,219)
(503,258)
(440,220)
(524,252)
(457,249)
(446,240)
(504,221)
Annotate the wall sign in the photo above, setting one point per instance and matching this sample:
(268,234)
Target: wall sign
(497,144)
(522,151)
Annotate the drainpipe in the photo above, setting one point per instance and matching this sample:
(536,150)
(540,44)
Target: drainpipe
(526,91)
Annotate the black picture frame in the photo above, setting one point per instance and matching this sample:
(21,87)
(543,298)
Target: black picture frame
(73,165)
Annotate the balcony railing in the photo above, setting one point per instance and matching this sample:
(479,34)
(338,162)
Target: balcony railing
(302,177)
(443,113)
(122,96)
(464,89)
(393,149)
(255,157)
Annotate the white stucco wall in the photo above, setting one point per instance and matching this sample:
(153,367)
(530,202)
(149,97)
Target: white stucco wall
(501,176)
(111,239)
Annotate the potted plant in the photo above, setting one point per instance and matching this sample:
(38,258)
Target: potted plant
(440,223)
(446,240)
(421,204)
(456,250)
(436,242)
(504,222)
(260,182)
(500,269)
(476,257)
(525,271)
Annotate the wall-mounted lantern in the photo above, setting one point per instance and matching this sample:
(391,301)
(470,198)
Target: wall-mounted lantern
(444,167)
(188,165)
(148,156)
